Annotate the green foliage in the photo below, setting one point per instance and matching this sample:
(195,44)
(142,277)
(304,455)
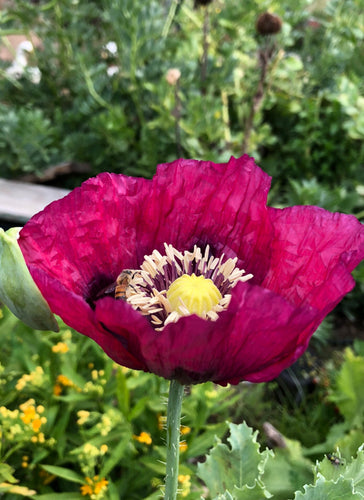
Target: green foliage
(242,472)
(241,466)
(336,480)
(68,413)
(309,124)
(347,393)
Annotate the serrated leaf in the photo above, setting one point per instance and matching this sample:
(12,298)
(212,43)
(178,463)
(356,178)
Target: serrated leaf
(257,492)
(353,471)
(240,465)
(349,394)
(288,471)
(342,489)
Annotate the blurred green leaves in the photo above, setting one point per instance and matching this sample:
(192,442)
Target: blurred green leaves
(309,125)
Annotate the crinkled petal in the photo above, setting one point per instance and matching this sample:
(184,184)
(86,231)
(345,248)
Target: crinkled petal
(312,254)
(88,236)
(223,205)
(250,341)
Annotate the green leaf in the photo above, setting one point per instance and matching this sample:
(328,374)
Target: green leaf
(349,394)
(240,465)
(342,489)
(118,453)
(122,392)
(64,473)
(6,473)
(353,471)
(288,471)
(256,492)
(60,496)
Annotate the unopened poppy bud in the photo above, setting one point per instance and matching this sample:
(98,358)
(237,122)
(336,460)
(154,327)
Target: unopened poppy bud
(268,24)
(173,75)
(17,288)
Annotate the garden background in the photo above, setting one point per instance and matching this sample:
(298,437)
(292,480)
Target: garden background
(122,85)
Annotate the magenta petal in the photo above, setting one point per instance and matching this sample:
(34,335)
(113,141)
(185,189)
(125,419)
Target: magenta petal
(313,252)
(250,341)
(207,203)
(301,258)
(91,232)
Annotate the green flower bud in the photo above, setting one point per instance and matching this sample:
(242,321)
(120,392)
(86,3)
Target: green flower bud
(17,288)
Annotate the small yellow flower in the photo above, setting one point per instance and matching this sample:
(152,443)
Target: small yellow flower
(186,484)
(103,449)
(86,490)
(29,414)
(63,380)
(100,485)
(83,416)
(41,438)
(36,424)
(185,430)
(57,389)
(144,437)
(61,348)
(162,421)
(183,446)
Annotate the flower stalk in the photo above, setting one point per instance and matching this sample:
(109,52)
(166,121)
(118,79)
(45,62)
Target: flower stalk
(173,434)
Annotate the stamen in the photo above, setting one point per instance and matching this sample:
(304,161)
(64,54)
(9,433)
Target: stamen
(155,289)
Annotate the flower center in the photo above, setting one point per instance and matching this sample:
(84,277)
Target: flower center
(177,284)
(191,294)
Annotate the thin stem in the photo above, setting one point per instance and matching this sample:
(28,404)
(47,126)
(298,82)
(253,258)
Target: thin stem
(264,57)
(173,433)
(205,50)
(177,116)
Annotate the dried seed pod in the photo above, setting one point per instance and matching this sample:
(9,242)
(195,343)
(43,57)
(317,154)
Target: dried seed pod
(268,24)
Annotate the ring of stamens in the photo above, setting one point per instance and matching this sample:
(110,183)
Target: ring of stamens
(147,291)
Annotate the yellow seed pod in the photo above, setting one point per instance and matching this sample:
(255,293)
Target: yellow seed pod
(191,294)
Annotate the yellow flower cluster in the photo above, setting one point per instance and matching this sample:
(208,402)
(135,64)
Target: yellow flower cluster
(94,488)
(83,416)
(60,348)
(36,377)
(62,381)
(24,423)
(185,481)
(89,458)
(30,415)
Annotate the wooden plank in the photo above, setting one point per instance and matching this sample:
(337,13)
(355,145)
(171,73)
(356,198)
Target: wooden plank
(20,200)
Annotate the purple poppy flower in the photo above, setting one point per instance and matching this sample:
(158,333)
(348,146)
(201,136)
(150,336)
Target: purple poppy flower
(107,258)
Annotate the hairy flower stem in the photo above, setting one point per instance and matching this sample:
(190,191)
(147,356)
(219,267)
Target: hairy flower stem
(173,433)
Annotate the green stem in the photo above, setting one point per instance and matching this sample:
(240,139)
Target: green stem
(173,433)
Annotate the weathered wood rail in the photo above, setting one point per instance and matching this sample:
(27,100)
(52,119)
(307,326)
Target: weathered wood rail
(20,200)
